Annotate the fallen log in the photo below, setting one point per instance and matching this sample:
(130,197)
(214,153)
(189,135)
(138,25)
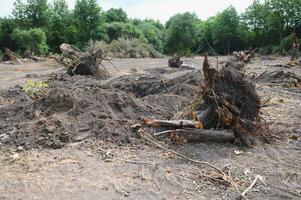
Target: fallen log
(201,135)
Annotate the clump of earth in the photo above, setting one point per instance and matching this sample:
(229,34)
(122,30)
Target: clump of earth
(79,107)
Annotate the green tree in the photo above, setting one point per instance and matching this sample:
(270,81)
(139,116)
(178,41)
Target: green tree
(62,28)
(181,33)
(256,19)
(7,26)
(225,30)
(153,32)
(89,21)
(33,39)
(116,15)
(33,13)
(117,30)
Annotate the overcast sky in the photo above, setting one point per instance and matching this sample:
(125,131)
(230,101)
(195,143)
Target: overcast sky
(156,9)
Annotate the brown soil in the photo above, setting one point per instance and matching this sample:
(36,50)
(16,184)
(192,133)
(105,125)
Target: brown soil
(100,157)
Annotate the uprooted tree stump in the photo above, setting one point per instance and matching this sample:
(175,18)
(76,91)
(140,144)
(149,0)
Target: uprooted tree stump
(227,100)
(9,55)
(88,63)
(29,55)
(175,61)
(245,55)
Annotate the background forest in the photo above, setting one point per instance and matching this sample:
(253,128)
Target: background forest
(42,25)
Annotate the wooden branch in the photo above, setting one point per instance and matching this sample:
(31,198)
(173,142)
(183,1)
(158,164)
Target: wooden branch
(173,123)
(197,135)
(252,185)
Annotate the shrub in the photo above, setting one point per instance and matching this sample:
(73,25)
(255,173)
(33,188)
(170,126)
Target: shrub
(128,48)
(33,39)
(35,89)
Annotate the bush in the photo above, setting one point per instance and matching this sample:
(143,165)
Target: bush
(35,89)
(266,50)
(33,39)
(181,33)
(128,48)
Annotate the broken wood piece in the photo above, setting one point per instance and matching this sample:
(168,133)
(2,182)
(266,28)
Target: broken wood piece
(173,123)
(197,135)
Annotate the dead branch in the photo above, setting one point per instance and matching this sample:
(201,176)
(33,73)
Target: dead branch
(223,175)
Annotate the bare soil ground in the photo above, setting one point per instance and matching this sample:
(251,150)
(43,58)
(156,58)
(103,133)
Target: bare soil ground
(96,163)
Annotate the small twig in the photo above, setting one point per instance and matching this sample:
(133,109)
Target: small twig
(136,162)
(142,133)
(266,101)
(283,120)
(243,194)
(164,132)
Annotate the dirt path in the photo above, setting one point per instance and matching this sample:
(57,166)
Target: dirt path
(96,170)
(11,75)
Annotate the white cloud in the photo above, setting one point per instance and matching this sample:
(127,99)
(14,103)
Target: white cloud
(156,9)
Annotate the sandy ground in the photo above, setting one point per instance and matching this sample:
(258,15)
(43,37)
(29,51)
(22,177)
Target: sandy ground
(95,170)
(11,75)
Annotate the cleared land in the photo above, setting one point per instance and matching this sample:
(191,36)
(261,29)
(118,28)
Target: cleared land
(120,165)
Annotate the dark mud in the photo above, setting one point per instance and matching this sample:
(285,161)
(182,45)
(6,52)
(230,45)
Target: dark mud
(80,107)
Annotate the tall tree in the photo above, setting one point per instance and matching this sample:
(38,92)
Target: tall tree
(116,15)
(89,21)
(224,30)
(181,33)
(61,27)
(34,13)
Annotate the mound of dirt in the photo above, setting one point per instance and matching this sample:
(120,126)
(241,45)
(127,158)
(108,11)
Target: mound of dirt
(279,77)
(143,85)
(78,107)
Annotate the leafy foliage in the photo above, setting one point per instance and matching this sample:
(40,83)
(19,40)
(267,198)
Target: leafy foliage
(264,24)
(181,33)
(35,89)
(33,39)
(116,15)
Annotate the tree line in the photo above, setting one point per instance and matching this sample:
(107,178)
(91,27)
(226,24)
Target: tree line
(41,26)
